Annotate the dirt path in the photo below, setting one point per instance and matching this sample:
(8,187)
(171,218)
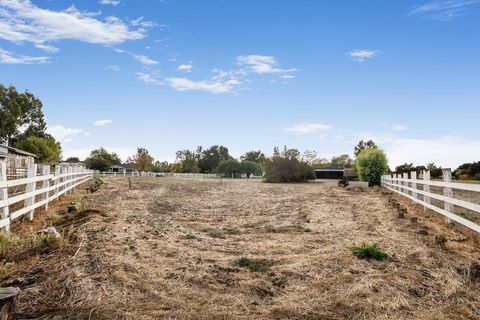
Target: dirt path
(168,247)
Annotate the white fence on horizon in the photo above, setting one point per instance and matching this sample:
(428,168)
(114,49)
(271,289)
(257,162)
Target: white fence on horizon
(153,174)
(408,185)
(20,197)
(164,174)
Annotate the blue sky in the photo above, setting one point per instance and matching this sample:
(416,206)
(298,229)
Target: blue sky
(316,75)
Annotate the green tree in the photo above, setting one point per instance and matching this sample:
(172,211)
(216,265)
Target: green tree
(161,166)
(254,156)
(19,110)
(342,161)
(371,164)
(142,161)
(101,159)
(72,160)
(435,172)
(229,168)
(362,145)
(187,161)
(46,149)
(286,166)
(211,157)
(404,168)
(250,167)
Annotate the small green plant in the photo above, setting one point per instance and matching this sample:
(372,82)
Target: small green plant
(6,269)
(8,246)
(231,231)
(251,264)
(369,252)
(465,216)
(190,237)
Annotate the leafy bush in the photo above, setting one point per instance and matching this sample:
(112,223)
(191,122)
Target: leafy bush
(250,167)
(285,166)
(371,164)
(369,252)
(229,168)
(46,149)
(468,171)
(251,264)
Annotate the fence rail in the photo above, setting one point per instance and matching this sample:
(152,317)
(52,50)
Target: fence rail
(153,174)
(36,190)
(408,185)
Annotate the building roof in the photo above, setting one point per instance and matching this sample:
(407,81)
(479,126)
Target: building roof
(5,150)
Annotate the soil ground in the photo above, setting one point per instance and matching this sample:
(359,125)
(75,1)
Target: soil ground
(169,248)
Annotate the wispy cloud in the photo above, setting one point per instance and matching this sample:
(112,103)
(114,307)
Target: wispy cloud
(212,86)
(113,67)
(140,22)
(63,134)
(149,78)
(102,123)
(7,57)
(305,128)
(362,55)
(110,2)
(22,21)
(143,59)
(261,64)
(443,10)
(47,48)
(185,67)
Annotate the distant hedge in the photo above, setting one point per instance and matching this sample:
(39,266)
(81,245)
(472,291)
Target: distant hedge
(285,169)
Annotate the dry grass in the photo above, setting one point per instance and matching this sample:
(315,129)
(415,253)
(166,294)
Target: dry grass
(185,249)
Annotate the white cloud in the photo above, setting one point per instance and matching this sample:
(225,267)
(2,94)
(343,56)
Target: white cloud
(212,86)
(7,57)
(362,55)
(113,67)
(149,78)
(443,10)
(185,67)
(399,127)
(142,23)
(102,123)
(63,134)
(110,2)
(139,57)
(22,21)
(261,64)
(304,128)
(47,48)
(145,60)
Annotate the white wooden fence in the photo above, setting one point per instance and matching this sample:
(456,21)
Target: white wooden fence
(154,174)
(409,187)
(37,189)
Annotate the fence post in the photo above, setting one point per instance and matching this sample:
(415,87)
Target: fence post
(426,187)
(46,184)
(414,185)
(30,187)
(405,184)
(447,191)
(4,195)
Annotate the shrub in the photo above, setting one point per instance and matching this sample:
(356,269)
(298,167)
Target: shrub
(469,171)
(250,167)
(251,264)
(283,169)
(369,252)
(229,168)
(371,164)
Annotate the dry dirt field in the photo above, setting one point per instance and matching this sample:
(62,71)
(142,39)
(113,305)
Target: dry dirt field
(169,248)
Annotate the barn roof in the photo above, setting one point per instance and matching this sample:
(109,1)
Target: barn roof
(5,150)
